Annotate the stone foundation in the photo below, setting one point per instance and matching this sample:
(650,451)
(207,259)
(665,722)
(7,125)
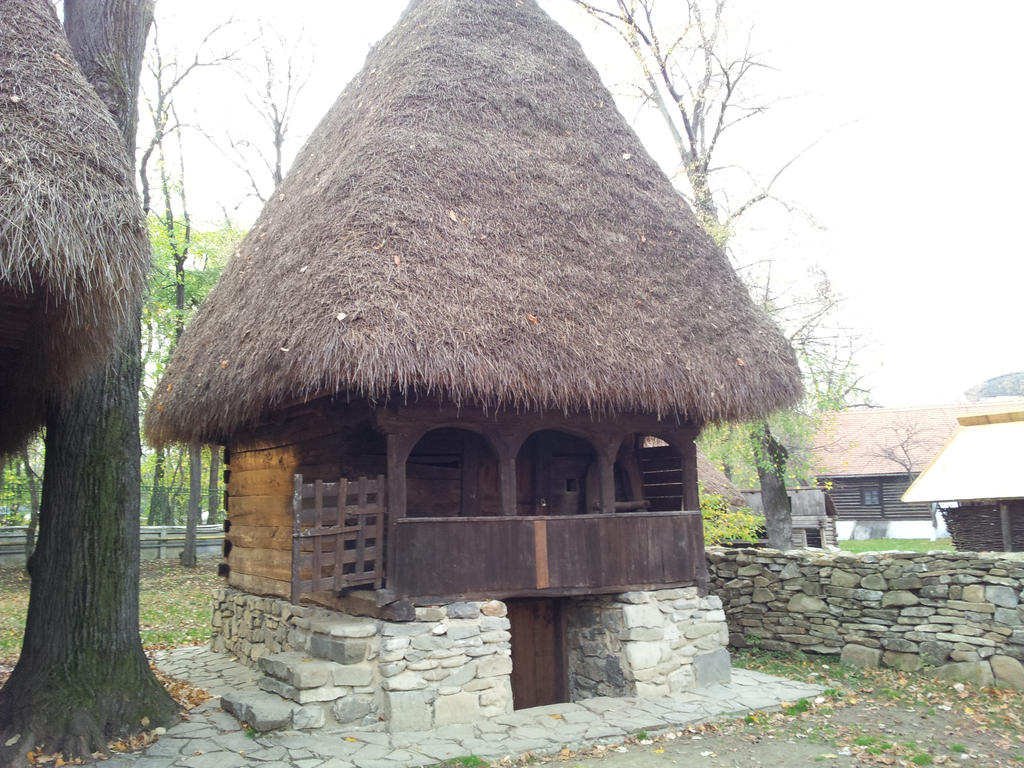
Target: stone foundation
(960,613)
(646,643)
(450,665)
(453,663)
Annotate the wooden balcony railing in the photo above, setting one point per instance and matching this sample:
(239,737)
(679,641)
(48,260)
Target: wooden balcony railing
(550,555)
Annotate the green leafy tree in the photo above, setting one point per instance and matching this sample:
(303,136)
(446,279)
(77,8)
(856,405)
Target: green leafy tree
(724,523)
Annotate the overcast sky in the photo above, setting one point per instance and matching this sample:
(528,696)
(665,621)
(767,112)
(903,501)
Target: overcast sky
(911,189)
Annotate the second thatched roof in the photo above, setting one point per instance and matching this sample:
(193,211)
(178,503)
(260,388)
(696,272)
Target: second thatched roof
(474,219)
(73,249)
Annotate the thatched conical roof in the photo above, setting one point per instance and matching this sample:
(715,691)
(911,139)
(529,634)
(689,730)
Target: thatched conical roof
(473,218)
(73,253)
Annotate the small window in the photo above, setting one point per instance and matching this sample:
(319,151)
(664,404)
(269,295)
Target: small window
(869,497)
(572,485)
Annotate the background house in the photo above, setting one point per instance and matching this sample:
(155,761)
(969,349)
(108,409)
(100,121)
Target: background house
(979,469)
(868,457)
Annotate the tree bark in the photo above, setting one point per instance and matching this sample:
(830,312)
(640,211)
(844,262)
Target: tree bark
(213,502)
(771,471)
(195,490)
(82,677)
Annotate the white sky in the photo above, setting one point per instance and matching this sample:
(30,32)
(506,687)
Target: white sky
(913,189)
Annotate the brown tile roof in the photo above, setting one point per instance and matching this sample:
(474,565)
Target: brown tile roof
(879,441)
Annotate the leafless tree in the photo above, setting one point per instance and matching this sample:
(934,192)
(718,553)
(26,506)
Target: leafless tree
(701,83)
(273,79)
(904,442)
(166,76)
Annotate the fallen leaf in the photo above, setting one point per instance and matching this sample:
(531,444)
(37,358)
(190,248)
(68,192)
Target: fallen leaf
(739,361)
(341,315)
(453,216)
(398,260)
(223,363)
(531,318)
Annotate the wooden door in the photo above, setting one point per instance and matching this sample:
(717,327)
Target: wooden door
(540,669)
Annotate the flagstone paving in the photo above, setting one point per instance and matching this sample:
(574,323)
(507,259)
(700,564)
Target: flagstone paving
(211,738)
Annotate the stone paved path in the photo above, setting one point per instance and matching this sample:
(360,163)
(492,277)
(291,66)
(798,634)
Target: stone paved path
(214,739)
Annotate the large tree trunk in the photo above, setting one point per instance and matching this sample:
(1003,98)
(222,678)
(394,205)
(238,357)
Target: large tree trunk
(82,677)
(771,471)
(195,490)
(213,502)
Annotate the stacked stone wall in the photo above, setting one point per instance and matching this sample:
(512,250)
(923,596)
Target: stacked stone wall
(452,664)
(957,612)
(646,643)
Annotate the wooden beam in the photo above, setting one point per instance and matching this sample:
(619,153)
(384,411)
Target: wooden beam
(540,553)
(1007,528)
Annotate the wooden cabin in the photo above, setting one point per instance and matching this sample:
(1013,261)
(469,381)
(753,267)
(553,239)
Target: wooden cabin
(437,357)
(474,505)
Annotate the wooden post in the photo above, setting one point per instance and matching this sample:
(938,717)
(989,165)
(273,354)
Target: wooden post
(470,470)
(1007,529)
(507,484)
(296,594)
(606,476)
(688,452)
(398,453)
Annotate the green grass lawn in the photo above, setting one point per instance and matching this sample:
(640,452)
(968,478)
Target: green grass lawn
(903,545)
(174,604)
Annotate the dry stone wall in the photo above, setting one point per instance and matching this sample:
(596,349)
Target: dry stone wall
(960,614)
(451,665)
(646,643)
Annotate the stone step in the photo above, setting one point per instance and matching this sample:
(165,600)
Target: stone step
(270,712)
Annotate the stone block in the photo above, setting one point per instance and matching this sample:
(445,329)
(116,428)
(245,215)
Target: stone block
(353,674)
(652,689)
(494,665)
(856,655)
(296,669)
(635,598)
(974,593)
(404,629)
(457,708)
(791,571)
(345,626)
(404,681)
(899,597)
(910,581)
(642,615)
(702,629)
(462,629)
(801,603)
(844,578)
(1008,671)
(683,679)
(460,676)
(408,710)
(934,653)
(343,650)
(762,595)
(431,613)
(645,634)
(262,712)
(493,623)
(500,696)
(354,707)
(1004,597)
(1008,616)
(711,668)
(908,662)
(643,655)
(874,581)
(463,610)
(976,672)
(308,717)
